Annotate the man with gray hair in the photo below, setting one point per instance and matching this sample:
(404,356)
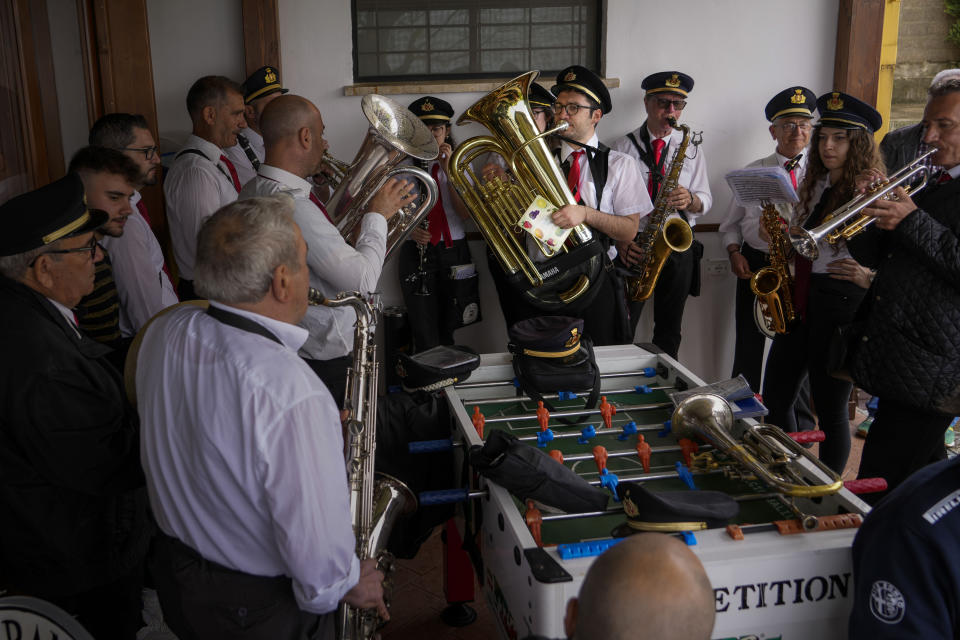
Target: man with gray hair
(908,351)
(648,586)
(242,445)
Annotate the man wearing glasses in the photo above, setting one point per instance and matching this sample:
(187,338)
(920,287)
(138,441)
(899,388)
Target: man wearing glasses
(75,526)
(653,145)
(143,282)
(606,184)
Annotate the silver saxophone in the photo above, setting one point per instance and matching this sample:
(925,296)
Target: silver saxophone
(377,500)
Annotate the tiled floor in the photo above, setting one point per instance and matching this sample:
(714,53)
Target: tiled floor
(418,593)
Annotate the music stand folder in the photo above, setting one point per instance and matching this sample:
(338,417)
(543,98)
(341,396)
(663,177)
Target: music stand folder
(760,185)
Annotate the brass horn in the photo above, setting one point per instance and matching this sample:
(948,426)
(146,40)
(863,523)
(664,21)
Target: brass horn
(497,206)
(394,134)
(849,220)
(764,450)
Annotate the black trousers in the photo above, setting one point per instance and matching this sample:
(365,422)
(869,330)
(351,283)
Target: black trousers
(333,373)
(831,303)
(202,600)
(109,612)
(669,299)
(748,350)
(432,321)
(901,440)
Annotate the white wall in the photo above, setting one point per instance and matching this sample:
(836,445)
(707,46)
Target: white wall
(68,75)
(739,52)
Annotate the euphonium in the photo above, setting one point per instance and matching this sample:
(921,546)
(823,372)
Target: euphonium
(496,206)
(763,450)
(662,234)
(849,220)
(394,134)
(376,501)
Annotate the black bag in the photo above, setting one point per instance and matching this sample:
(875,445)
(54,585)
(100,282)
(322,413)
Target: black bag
(463,308)
(529,473)
(696,248)
(840,349)
(551,354)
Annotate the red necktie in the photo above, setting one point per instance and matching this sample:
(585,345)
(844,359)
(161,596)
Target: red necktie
(315,200)
(658,146)
(437,218)
(793,174)
(233,172)
(573,177)
(945,177)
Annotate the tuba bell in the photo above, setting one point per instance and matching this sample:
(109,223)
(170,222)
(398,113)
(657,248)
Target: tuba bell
(394,134)
(496,206)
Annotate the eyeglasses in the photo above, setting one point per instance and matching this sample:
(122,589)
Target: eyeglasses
(90,248)
(540,110)
(148,152)
(790,127)
(571,108)
(666,103)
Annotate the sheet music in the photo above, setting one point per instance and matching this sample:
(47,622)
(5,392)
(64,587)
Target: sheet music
(756,184)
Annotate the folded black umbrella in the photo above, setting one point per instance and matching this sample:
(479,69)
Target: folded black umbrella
(529,473)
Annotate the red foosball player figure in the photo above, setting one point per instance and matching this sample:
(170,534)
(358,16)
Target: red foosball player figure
(543,416)
(687,448)
(478,421)
(607,412)
(534,522)
(644,451)
(600,457)
(557,455)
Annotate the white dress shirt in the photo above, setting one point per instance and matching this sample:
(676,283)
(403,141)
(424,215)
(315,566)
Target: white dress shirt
(624,193)
(242,450)
(693,176)
(68,314)
(742,224)
(238,156)
(195,187)
(828,252)
(143,286)
(335,266)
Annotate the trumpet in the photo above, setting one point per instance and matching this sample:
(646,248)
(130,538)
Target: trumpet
(849,220)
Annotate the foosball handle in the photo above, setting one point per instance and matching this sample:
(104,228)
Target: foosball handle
(649,372)
(443,496)
(865,485)
(804,437)
(430,446)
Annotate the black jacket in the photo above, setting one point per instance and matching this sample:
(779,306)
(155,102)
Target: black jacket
(910,320)
(71,488)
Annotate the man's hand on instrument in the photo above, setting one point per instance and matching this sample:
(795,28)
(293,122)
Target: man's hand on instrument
(368,593)
(850,269)
(739,265)
(569,216)
(867,179)
(889,213)
(420,235)
(630,253)
(444,158)
(493,170)
(395,193)
(680,199)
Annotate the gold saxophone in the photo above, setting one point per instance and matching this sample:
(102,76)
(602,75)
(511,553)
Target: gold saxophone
(662,234)
(376,500)
(773,284)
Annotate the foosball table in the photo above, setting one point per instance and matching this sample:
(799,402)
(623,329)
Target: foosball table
(781,569)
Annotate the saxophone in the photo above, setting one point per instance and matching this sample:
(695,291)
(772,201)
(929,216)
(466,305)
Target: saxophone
(773,284)
(662,233)
(376,500)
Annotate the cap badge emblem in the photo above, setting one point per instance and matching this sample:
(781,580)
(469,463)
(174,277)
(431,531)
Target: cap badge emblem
(673,82)
(427,106)
(570,77)
(835,103)
(269,76)
(798,97)
(630,508)
(574,338)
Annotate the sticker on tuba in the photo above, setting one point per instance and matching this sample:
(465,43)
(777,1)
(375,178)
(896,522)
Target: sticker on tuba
(537,220)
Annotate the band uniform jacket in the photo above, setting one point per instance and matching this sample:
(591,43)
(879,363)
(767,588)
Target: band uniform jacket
(71,490)
(909,346)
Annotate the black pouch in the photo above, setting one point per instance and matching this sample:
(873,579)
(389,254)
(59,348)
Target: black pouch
(550,354)
(463,308)
(696,248)
(528,473)
(840,348)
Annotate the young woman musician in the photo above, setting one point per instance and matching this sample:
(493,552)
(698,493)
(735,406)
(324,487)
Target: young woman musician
(431,293)
(828,290)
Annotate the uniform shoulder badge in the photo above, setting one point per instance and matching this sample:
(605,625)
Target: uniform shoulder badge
(427,106)
(887,603)
(798,97)
(835,103)
(674,81)
(570,77)
(269,76)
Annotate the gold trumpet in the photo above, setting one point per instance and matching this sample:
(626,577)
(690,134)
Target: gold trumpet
(849,220)
(764,450)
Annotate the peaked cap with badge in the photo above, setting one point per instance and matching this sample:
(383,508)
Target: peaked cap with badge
(262,82)
(586,82)
(794,101)
(668,82)
(843,111)
(540,97)
(432,110)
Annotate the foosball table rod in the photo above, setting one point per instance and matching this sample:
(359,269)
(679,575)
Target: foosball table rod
(573,395)
(653,406)
(647,372)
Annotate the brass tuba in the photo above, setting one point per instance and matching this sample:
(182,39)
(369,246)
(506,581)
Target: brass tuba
(376,500)
(394,134)
(663,234)
(497,206)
